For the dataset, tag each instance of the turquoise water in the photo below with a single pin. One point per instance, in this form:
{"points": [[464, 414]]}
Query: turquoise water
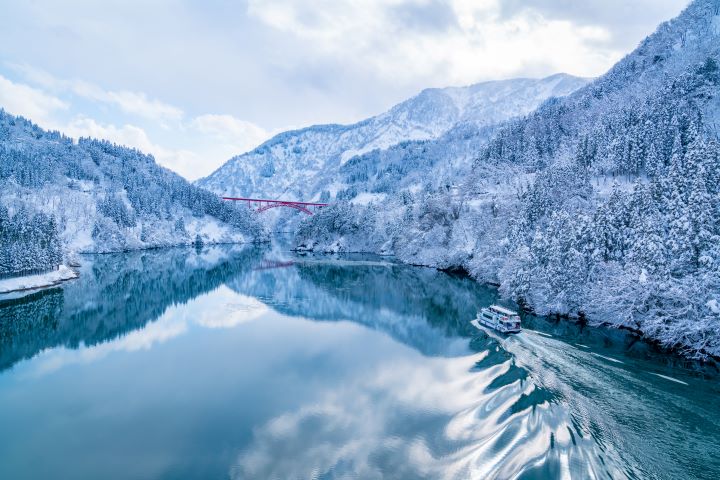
{"points": [[253, 363]]}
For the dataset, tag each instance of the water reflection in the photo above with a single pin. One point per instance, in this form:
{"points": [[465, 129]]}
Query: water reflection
{"points": [[250, 363], [420, 307], [117, 294]]}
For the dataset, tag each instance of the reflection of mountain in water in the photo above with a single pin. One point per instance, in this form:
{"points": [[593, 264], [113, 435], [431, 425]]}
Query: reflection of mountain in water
{"points": [[423, 308], [552, 404], [115, 295]]}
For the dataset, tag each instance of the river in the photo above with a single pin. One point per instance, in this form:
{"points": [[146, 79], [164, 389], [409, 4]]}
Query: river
{"points": [[232, 362]]}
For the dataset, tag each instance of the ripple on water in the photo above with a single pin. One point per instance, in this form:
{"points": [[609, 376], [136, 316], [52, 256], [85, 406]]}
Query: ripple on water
{"points": [[491, 420], [519, 429]]}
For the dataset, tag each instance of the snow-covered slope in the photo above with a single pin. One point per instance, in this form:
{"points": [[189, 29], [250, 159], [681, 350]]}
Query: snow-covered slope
{"points": [[300, 164], [58, 196], [605, 202]]}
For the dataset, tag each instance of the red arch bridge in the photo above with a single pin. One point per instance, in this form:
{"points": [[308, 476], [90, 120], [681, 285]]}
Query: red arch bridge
{"points": [[262, 204]]}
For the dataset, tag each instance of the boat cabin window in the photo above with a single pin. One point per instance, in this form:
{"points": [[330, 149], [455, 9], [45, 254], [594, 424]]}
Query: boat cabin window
{"points": [[502, 311]]}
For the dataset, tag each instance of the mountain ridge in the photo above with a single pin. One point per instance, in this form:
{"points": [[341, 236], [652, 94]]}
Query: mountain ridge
{"points": [[427, 115]]}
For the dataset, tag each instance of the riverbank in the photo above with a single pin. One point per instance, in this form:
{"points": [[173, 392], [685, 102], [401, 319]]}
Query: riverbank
{"points": [[657, 337], [34, 282], [63, 273], [678, 349]]}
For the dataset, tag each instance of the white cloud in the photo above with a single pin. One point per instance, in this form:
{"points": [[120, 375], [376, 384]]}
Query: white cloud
{"points": [[201, 158], [241, 134], [135, 103], [41, 107], [472, 41], [130, 135], [208, 140], [229, 127], [139, 104], [29, 102]]}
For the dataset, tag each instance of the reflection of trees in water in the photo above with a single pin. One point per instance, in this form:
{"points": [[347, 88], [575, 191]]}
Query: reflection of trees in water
{"points": [[28, 322], [423, 308], [120, 293], [115, 295], [446, 302]]}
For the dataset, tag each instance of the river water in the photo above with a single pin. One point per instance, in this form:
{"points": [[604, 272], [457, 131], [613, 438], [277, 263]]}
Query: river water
{"points": [[232, 362]]}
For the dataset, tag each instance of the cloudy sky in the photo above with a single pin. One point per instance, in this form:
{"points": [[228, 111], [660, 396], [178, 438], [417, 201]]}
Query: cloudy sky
{"points": [[196, 82]]}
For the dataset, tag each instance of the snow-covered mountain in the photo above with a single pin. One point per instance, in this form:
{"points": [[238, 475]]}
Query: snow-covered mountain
{"points": [[58, 196], [301, 164], [605, 202]]}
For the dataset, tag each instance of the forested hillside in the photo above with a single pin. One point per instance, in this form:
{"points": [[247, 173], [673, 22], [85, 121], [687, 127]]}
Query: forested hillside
{"points": [[29, 243], [605, 202], [58, 197]]}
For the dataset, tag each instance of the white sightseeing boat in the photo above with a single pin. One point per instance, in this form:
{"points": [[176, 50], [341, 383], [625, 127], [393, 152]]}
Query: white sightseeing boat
{"points": [[498, 318]]}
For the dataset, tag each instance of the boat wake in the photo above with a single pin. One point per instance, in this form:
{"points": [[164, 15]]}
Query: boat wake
{"points": [[481, 416]]}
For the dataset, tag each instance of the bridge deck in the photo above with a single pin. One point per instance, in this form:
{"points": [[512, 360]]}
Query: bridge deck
{"points": [[265, 200]]}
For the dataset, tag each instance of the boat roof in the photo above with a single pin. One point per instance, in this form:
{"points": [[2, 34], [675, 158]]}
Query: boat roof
{"points": [[502, 310]]}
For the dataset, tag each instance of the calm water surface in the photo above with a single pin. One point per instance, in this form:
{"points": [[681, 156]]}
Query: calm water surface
{"points": [[253, 363]]}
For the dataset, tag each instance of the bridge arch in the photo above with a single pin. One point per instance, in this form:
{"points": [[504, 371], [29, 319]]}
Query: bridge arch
{"points": [[288, 205], [266, 204]]}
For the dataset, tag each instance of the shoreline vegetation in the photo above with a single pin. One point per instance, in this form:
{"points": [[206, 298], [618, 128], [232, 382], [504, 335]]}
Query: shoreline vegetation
{"points": [[582, 319], [34, 282], [679, 351], [27, 283]]}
